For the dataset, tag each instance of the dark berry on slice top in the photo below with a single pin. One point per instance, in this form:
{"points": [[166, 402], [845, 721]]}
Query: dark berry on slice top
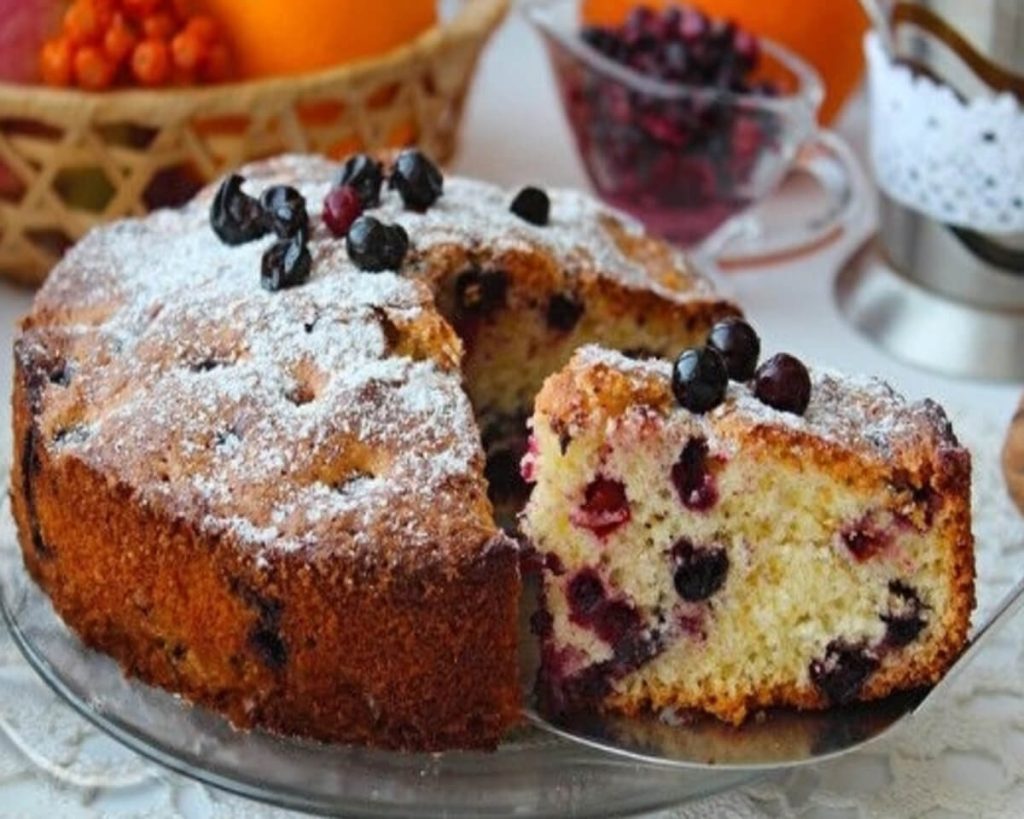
{"points": [[286, 263], [738, 345], [374, 246], [365, 175], [564, 312], [480, 292], [286, 210], [235, 216], [841, 673], [532, 205], [699, 571], [605, 507], [691, 477], [342, 206], [699, 379], [905, 618], [783, 383], [417, 180]]}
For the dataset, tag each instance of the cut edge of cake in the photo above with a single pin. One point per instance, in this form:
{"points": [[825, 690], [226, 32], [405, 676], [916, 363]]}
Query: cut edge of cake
{"points": [[747, 557]]}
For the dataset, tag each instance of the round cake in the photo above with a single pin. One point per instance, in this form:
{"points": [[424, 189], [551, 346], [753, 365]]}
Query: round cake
{"points": [[273, 500]]}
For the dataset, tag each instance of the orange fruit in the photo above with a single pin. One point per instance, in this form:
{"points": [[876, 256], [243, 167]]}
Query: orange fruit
{"points": [[827, 35], [274, 37]]}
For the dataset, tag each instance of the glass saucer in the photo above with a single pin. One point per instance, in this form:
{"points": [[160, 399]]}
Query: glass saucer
{"points": [[533, 774]]}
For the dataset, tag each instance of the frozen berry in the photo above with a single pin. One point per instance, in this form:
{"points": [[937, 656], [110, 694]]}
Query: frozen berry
{"points": [[738, 345], [532, 205], [699, 379], [342, 206], [285, 207], [842, 672], [480, 292], [605, 507], [417, 180], [783, 383], [366, 175], [564, 312], [693, 481], [286, 263], [699, 571], [236, 218], [374, 246]]}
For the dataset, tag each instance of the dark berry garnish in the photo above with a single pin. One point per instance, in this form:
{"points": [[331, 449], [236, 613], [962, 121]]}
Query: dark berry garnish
{"points": [[236, 217], [374, 246], [286, 263], [605, 507], [738, 345], [365, 175], [905, 618], [699, 571], [585, 594], [532, 205], [842, 672], [417, 180], [342, 206], [691, 477], [699, 379], [783, 383], [480, 292], [564, 312], [286, 209]]}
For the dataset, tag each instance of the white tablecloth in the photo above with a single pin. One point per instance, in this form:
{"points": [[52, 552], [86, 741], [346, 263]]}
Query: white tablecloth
{"points": [[964, 758]]}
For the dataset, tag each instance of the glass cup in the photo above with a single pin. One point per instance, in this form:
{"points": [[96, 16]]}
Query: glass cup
{"points": [[690, 161]]}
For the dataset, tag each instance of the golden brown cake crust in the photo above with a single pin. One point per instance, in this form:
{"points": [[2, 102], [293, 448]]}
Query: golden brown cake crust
{"points": [[274, 503], [859, 430]]}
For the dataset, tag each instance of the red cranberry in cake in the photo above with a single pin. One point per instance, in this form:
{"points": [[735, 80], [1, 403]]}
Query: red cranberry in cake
{"points": [[698, 571], [605, 507], [766, 562], [692, 477], [843, 671]]}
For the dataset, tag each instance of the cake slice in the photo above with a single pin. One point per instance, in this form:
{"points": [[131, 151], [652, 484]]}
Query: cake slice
{"points": [[765, 547]]}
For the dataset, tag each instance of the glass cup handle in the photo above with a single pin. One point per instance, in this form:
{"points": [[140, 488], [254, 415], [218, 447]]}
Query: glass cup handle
{"points": [[831, 163]]}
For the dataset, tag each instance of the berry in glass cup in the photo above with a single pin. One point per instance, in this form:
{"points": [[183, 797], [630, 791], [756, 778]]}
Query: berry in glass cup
{"points": [[672, 132]]}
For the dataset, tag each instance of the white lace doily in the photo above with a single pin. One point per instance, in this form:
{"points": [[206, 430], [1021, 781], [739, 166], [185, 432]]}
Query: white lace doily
{"points": [[962, 757], [959, 161]]}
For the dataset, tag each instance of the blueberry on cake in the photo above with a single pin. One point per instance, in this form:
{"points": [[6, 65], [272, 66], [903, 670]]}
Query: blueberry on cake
{"points": [[248, 434], [722, 537]]}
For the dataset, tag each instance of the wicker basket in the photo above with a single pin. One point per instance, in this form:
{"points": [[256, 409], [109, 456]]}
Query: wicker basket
{"points": [[70, 160]]}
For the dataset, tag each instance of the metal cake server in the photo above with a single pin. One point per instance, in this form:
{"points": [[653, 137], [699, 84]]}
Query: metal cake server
{"points": [[777, 739]]}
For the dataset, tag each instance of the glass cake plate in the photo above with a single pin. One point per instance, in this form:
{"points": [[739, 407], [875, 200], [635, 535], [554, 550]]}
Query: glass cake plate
{"points": [[533, 774]]}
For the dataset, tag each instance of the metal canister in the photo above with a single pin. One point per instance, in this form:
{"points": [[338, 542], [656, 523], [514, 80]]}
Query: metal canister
{"points": [[976, 47]]}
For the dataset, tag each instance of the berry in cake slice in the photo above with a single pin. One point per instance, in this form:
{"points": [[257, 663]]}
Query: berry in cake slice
{"points": [[799, 538]]}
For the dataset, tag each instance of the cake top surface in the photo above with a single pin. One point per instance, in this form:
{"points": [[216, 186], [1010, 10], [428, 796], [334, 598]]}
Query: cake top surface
{"points": [[856, 412], [329, 415]]}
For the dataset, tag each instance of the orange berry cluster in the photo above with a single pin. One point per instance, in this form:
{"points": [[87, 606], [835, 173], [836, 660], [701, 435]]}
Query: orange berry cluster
{"points": [[151, 43]]}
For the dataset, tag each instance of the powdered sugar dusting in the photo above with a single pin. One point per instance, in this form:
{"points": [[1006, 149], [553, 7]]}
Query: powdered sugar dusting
{"points": [[854, 411]]}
